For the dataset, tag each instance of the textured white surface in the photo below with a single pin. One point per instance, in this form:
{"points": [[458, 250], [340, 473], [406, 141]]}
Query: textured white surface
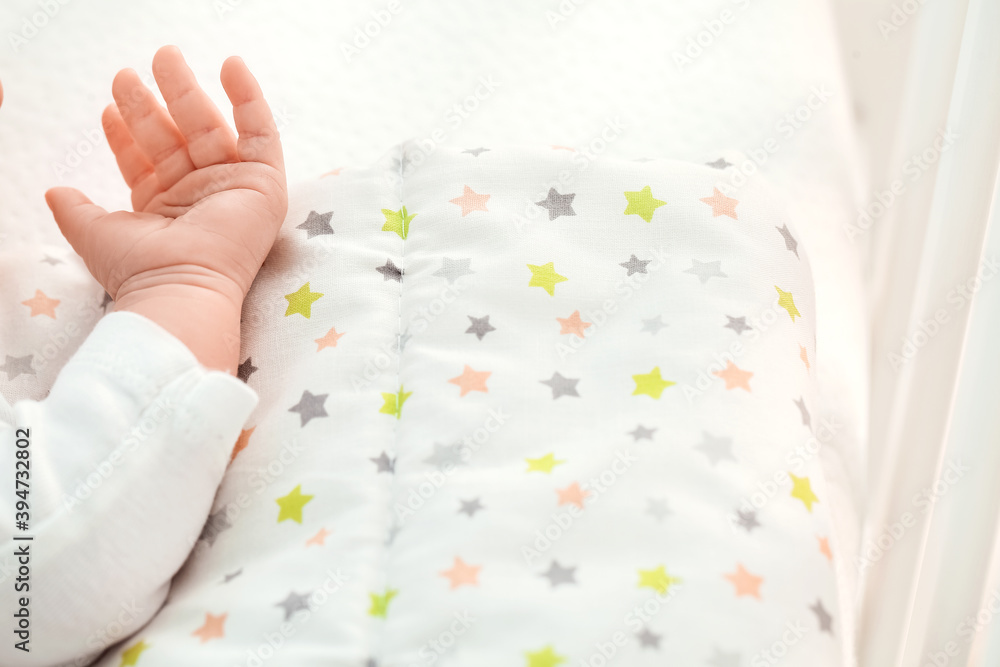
{"points": [[558, 85]]}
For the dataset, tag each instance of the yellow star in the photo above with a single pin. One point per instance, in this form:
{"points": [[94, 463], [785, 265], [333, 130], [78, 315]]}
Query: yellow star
{"points": [[657, 579], [544, 464], [802, 489], [785, 301], [380, 603], [292, 504], [394, 402], [544, 658], [131, 655], [397, 221], [545, 276], [651, 383], [642, 203], [300, 301]]}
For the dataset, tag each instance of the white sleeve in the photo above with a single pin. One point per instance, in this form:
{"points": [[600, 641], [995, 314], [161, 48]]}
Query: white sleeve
{"points": [[123, 458]]}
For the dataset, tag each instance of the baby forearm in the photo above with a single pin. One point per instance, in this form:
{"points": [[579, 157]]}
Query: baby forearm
{"points": [[205, 317]]}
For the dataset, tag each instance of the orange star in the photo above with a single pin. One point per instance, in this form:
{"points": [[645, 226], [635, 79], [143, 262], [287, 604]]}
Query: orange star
{"points": [[803, 356], [319, 538], [745, 583], [721, 204], [212, 629], [572, 495], [242, 442], [734, 376], [471, 380], [333, 172], [329, 340], [462, 573], [41, 304], [471, 201], [573, 324], [824, 547]]}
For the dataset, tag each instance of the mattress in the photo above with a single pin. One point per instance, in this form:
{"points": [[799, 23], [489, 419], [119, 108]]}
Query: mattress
{"points": [[757, 85]]}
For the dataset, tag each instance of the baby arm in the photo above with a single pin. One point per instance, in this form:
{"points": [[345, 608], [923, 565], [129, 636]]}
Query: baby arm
{"points": [[144, 415]]}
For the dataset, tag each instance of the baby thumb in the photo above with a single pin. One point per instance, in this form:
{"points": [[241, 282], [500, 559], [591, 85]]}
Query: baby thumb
{"points": [[74, 213]]}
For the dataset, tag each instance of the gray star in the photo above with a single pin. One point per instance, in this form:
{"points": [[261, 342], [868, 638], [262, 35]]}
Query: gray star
{"points": [[15, 366], [383, 463], [475, 152], [649, 638], [747, 520], [371, 663], [216, 523], [823, 617], [317, 224], [393, 532], [806, 419], [790, 242], [719, 164], [403, 339], [106, 300], [446, 455], [716, 448], [706, 270], [558, 574], [561, 386], [557, 204], [230, 577], [470, 507], [721, 659], [401, 165], [653, 325], [52, 260], [293, 603], [635, 265], [453, 269], [246, 369], [642, 433], [480, 326], [657, 507], [737, 324], [390, 271], [310, 406]]}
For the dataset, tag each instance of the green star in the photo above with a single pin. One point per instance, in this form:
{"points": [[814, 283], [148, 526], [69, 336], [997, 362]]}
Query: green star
{"points": [[300, 301], [394, 402], [380, 603], [130, 656], [397, 221], [292, 504], [546, 657], [642, 203], [545, 276]]}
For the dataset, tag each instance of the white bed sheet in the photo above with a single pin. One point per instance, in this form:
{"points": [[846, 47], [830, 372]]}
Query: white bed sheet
{"points": [[563, 72]]}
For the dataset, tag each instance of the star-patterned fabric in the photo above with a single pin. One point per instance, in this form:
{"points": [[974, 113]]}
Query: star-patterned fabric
{"points": [[515, 411]]}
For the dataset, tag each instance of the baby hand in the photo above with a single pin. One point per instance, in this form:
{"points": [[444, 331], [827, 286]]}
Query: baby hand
{"points": [[208, 205]]}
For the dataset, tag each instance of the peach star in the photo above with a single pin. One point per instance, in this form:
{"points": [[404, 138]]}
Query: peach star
{"points": [[471, 380], [462, 573], [471, 201], [721, 204], [564, 148], [319, 538], [329, 340], [745, 583], [41, 304], [212, 628], [803, 356], [824, 547], [332, 172], [242, 441], [573, 324], [735, 377], [572, 495]]}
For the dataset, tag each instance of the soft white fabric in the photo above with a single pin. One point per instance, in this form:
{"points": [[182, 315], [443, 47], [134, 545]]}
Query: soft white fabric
{"points": [[540, 495], [126, 453]]}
